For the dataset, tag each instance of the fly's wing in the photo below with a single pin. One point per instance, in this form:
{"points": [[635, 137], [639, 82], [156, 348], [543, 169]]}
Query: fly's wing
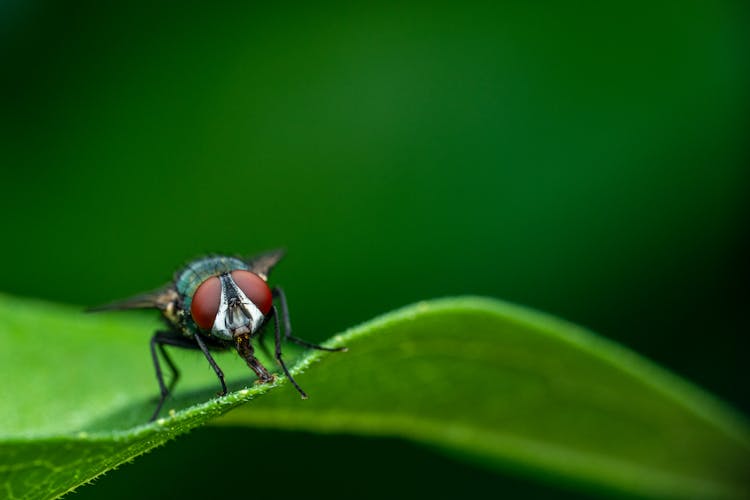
{"points": [[158, 299], [262, 264]]}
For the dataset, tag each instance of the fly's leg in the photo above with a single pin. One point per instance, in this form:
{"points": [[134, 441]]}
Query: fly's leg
{"points": [[279, 293], [164, 392], [262, 342], [277, 337], [172, 367], [212, 362], [158, 341]]}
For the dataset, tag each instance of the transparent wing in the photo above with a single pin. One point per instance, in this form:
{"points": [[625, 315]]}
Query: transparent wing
{"points": [[157, 299], [261, 264]]}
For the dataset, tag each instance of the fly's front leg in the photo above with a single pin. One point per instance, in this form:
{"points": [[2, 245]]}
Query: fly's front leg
{"points": [[212, 362], [262, 342], [279, 293], [277, 338]]}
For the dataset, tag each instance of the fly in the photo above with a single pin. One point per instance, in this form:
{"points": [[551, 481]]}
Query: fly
{"points": [[218, 303]]}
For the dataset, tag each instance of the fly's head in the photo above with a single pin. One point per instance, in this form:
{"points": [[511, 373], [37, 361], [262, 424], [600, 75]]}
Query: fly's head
{"points": [[232, 304]]}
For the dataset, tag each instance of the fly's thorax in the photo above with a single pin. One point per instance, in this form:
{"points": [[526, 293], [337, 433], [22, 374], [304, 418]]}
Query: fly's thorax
{"points": [[189, 278], [172, 313]]}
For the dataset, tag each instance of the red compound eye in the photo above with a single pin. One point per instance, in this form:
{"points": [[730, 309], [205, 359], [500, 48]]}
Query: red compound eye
{"points": [[255, 288], [205, 303]]}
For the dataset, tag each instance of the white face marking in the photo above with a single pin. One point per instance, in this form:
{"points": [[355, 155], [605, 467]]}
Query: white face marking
{"points": [[243, 306]]}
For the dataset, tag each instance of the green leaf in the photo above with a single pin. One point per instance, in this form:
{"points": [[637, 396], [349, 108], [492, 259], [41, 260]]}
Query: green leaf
{"points": [[487, 380]]}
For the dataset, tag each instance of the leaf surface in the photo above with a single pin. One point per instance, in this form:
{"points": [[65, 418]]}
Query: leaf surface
{"points": [[490, 381]]}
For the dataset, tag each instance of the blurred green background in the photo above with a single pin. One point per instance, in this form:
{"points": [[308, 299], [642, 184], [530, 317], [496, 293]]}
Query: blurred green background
{"points": [[587, 160]]}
